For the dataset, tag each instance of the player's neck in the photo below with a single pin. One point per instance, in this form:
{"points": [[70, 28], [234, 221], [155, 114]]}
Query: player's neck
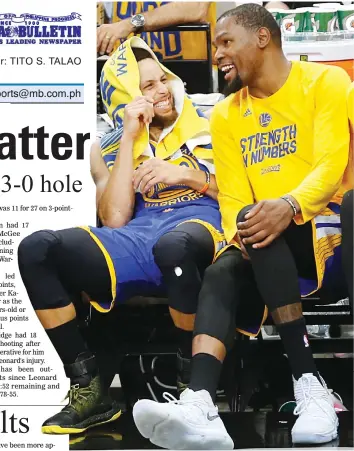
{"points": [[272, 76], [155, 132]]}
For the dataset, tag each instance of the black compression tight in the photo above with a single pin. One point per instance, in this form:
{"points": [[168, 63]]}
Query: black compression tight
{"points": [[223, 285], [231, 278], [347, 240], [277, 267], [57, 265], [183, 254], [54, 265]]}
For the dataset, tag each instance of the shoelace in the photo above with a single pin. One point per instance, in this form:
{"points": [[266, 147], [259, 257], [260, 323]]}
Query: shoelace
{"points": [[335, 394], [307, 396], [195, 401], [77, 394], [170, 398]]}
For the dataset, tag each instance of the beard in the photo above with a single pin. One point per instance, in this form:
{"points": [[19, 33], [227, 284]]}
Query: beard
{"points": [[164, 120], [233, 86]]}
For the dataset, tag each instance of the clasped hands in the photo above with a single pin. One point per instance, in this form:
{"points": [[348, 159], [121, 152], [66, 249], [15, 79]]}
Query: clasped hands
{"points": [[155, 171]]}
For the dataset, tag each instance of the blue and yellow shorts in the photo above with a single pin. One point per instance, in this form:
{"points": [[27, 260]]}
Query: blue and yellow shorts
{"points": [[129, 250]]}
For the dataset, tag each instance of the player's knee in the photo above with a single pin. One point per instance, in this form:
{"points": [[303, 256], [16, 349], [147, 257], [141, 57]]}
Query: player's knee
{"points": [[212, 276], [243, 212], [171, 249], [216, 278], [222, 271], [34, 248]]}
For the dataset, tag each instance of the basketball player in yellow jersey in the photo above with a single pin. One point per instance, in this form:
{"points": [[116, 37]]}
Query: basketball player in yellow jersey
{"points": [[348, 181], [281, 145], [349, 174], [143, 17], [351, 104]]}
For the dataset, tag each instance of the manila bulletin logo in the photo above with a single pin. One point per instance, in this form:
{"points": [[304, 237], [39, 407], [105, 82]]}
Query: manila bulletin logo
{"points": [[37, 29], [265, 119]]}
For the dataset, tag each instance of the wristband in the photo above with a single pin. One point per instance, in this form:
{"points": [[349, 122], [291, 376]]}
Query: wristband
{"points": [[291, 203], [207, 183]]}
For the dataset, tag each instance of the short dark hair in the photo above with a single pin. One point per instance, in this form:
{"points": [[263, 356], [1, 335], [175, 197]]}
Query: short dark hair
{"points": [[254, 17], [141, 54]]}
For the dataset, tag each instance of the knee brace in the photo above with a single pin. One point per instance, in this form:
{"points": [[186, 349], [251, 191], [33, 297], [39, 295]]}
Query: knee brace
{"points": [[189, 241], [178, 255], [38, 274], [172, 249], [34, 248]]}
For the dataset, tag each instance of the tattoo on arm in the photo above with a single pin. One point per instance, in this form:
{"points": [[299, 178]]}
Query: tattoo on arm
{"points": [[287, 313]]}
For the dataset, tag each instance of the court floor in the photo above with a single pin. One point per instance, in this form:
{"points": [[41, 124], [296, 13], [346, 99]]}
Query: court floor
{"points": [[248, 430]]}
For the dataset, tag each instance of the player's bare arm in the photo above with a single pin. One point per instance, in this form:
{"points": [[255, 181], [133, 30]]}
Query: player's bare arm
{"points": [[99, 170], [117, 210], [164, 16], [157, 170]]}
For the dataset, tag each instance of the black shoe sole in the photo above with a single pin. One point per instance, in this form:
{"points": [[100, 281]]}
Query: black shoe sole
{"points": [[93, 421]]}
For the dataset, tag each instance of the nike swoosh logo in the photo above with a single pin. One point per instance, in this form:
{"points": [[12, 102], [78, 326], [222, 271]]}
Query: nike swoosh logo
{"points": [[212, 417]]}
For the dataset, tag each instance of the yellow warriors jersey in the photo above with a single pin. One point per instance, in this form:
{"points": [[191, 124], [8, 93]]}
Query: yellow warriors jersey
{"points": [[351, 104], [348, 179], [294, 142], [166, 45]]}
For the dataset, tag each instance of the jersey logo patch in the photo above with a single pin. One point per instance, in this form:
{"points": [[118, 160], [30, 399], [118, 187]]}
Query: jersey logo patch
{"points": [[265, 119]]}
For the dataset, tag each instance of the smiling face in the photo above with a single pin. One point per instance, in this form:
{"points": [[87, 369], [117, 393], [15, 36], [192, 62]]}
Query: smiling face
{"points": [[154, 84], [237, 53]]}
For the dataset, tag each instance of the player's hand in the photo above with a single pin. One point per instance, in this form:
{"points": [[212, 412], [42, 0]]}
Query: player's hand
{"points": [[265, 222], [244, 251], [155, 171], [108, 34], [137, 113]]}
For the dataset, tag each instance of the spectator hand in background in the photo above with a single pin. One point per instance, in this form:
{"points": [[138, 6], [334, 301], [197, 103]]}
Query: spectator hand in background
{"points": [[108, 34]]}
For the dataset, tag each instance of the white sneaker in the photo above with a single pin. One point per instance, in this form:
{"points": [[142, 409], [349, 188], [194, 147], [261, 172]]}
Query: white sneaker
{"points": [[318, 421], [192, 422]]}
